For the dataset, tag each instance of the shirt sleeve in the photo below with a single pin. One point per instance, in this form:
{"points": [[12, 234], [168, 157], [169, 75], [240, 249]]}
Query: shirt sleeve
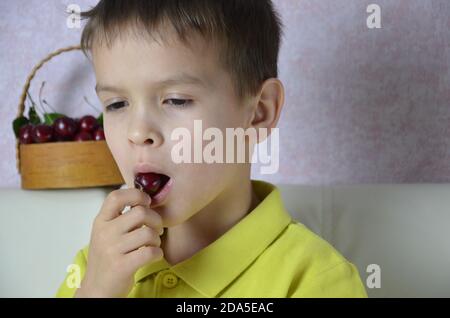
{"points": [[74, 276], [339, 281]]}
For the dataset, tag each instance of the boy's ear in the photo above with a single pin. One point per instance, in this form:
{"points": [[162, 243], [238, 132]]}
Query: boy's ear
{"points": [[268, 105]]}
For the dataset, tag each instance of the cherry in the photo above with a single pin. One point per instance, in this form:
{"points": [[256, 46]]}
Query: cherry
{"points": [[99, 134], [65, 128], [77, 122], [83, 136], [62, 139], [88, 123], [150, 182], [25, 134], [42, 133]]}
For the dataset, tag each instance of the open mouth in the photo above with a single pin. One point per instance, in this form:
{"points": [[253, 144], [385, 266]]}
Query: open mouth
{"points": [[151, 183]]}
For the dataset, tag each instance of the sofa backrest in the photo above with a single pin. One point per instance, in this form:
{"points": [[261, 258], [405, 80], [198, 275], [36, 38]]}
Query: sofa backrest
{"points": [[400, 232]]}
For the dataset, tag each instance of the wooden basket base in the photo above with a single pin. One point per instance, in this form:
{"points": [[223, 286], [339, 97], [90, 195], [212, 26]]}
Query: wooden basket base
{"points": [[57, 165]]}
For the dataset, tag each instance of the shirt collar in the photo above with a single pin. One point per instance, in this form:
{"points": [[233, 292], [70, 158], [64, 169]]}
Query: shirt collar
{"points": [[209, 271]]}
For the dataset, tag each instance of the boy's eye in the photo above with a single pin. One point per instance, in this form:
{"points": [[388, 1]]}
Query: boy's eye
{"points": [[172, 101], [178, 102], [114, 106]]}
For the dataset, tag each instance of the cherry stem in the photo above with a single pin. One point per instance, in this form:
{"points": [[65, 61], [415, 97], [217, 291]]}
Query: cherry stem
{"points": [[32, 101], [46, 103], [33, 104], [87, 102], [40, 97]]}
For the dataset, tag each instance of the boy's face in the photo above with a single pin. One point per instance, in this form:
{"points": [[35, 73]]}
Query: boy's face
{"points": [[146, 109]]}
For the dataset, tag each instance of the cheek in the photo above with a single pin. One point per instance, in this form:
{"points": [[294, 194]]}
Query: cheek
{"points": [[198, 184], [115, 127], [206, 178], [227, 116], [114, 138], [109, 134]]}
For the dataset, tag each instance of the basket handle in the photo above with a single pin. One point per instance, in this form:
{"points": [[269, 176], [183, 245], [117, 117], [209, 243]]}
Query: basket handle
{"points": [[23, 96]]}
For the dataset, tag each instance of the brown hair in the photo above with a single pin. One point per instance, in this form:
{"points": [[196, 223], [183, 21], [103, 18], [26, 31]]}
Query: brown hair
{"points": [[248, 32]]}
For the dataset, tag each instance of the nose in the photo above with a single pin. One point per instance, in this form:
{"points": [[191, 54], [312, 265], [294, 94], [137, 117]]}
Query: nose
{"points": [[142, 132]]}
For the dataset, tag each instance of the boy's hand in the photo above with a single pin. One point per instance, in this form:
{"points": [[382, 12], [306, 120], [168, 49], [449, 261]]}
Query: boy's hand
{"points": [[120, 244]]}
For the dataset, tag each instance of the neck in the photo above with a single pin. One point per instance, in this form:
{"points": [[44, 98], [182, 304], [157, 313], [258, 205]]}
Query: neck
{"points": [[183, 241]]}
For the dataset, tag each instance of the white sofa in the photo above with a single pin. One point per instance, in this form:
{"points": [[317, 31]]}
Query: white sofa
{"points": [[404, 229]]}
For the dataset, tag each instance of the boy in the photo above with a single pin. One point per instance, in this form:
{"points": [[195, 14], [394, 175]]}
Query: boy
{"points": [[161, 65]]}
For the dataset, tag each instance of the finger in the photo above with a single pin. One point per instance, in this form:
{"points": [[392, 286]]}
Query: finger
{"points": [[143, 236], [137, 217], [117, 200], [138, 258]]}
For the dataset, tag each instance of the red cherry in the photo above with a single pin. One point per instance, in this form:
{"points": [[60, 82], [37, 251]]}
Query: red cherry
{"points": [[88, 123], [62, 139], [83, 136], [25, 134], [150, 182], [77, 122], [42, 133], [65, 128], [99, 134]]}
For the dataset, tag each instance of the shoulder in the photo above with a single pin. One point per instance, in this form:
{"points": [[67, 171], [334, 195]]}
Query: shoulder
{"points": [[315, 268], [304, 245], [81, 256], [75, 274], [84, 252]]}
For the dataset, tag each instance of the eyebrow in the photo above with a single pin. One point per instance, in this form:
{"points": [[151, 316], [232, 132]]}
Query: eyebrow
{"points": [[176, 80]]}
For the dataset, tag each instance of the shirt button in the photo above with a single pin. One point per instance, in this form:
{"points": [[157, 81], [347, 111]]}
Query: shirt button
{"points": [[170, 280]]}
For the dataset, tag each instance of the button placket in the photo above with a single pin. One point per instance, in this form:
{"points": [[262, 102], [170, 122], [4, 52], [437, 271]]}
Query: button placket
{"points": [[169, 280]]}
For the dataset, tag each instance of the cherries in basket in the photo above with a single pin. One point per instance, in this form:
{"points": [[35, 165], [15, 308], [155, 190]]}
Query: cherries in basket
{"points": [[56, 127]]}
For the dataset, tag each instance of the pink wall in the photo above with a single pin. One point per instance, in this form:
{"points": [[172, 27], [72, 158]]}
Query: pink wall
{"points": [[362, 106]]}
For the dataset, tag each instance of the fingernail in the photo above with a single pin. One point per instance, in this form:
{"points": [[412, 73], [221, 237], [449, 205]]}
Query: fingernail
{"points": [[161, 232], [126, 209]]}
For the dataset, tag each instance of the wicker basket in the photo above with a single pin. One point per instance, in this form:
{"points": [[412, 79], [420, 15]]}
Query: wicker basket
{"points": [[57, 165]]}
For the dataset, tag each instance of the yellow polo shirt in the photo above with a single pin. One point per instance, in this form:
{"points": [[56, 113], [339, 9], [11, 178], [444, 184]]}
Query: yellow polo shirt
{"points": [[266, 254]]}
